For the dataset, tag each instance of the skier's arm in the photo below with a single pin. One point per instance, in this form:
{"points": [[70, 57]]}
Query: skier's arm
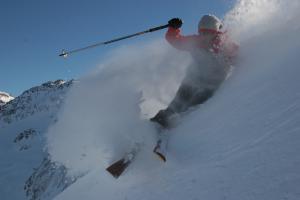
{"points": [[179, 41]]}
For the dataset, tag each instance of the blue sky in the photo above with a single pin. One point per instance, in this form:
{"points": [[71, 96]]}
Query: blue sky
{"points": [[33, 33]]}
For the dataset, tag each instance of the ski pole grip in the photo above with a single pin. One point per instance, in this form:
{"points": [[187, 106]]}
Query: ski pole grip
{"points": [[158, 28]]}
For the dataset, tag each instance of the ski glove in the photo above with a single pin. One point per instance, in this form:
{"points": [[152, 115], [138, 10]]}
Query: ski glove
{"points": [[175, 23]]}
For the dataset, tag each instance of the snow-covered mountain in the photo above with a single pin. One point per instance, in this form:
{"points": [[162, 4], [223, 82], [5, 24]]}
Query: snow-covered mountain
{"points": [[25, 170], [4, 98]]}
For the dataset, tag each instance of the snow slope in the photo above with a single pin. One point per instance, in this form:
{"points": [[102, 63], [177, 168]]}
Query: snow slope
{"points": [[242, 144]]}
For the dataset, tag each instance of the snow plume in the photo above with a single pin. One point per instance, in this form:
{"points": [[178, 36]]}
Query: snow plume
{"points": [[107, 111], [267, 30], [250, 18]]}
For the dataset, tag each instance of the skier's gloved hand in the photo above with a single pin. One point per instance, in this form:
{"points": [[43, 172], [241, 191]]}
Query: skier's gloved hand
{"points": [[175, 23]]}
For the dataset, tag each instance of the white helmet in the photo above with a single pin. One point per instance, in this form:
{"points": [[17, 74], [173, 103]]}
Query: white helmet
{"points": [[209, 23]]}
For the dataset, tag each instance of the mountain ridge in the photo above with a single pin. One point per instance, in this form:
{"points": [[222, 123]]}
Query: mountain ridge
{"points": [[23, 123]]}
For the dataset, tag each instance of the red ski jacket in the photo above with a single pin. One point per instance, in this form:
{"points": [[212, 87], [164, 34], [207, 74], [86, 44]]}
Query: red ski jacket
{"points": [[219, 44]]}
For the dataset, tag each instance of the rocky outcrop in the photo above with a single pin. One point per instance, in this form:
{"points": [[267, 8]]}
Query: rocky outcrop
{"points": [[48, 180]]}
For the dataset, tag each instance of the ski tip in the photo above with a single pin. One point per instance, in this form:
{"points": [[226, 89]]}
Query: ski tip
{"points": [[114, 175], [161, 156], [117, 168]]}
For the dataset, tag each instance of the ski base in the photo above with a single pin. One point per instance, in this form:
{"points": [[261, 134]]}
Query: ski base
{"points": [[117, 168]]}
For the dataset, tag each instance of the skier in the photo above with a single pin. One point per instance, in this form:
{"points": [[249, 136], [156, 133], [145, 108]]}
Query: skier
{"points": [[212, 53]]}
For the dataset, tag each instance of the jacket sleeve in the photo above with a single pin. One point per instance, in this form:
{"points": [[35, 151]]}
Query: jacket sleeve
{"points": [[179, 41]]}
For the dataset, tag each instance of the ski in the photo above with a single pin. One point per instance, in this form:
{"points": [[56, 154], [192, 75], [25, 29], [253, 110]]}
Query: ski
{"points": [[161, 146], [157, 150], [117, 168]]}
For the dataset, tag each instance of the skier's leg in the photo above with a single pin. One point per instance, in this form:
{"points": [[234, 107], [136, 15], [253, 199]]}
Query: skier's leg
{"points": [[179, 104], [201, 96], [184, 95], [162, 118]]}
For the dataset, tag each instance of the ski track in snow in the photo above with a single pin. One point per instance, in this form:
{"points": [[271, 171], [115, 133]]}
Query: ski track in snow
{"points": [[242, 144]]}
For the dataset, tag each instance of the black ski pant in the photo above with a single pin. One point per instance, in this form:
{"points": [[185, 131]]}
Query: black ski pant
{"points": [[186, 97]]}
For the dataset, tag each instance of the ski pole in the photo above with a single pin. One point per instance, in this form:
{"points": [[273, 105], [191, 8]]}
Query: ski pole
{"points": [[66, 53]]}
